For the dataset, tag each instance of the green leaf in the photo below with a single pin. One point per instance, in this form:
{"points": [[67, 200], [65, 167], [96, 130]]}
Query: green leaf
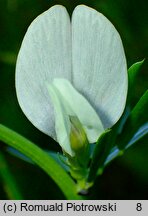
{"points": [[59, 158], [8, 180], [139, 134], [42, 159], [130, 129], [18, 154], [133, 72], [101, 151], [136, 121], [132, 77], [115, 152], [136, 160]]}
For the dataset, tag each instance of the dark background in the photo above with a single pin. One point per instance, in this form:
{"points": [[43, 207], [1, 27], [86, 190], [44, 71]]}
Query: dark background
{"points": [[127, 176]]}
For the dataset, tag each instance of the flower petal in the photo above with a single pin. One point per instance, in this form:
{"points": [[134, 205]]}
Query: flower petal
{"points": [[62, 122], [99, 64], [45, 53], [77, 104]]}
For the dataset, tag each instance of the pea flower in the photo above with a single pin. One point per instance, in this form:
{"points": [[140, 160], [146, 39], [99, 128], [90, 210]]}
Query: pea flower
{"points": [[71, 75]]}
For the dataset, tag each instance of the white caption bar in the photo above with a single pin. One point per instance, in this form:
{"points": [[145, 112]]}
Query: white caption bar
{"points": [[89, 207]]}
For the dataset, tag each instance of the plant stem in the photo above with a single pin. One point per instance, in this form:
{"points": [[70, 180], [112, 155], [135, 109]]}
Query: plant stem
{"points": [[42, 159]]}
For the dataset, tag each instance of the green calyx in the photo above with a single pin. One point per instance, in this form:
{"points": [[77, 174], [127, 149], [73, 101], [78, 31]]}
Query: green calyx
{"points": [[81, 147], [77, 125], [79, 170]]}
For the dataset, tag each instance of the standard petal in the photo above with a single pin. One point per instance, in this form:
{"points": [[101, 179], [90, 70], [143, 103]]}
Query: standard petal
{"points": [[99, 64], [45, 54], [76, 104]]}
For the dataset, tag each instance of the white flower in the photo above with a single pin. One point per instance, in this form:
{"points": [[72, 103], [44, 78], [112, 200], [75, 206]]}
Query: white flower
{"points": [[88, 52]]}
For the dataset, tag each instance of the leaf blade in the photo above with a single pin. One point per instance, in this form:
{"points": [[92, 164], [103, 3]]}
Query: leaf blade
{"points": [[42, 159], [134, 122], [132, 77], [101, 151]]}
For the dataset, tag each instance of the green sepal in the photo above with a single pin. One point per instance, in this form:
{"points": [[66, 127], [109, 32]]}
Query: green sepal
{"points": [[78, 165]]}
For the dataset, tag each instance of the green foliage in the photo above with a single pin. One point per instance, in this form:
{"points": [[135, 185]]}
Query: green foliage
{"points": [[101, 151], [42, 159], [135, 121], [131, 127], [133, 72], [132, 167], [108, 146]]}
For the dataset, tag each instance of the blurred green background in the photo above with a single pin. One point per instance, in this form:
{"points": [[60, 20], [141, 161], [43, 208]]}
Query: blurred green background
{"points": [[127, 176]]}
